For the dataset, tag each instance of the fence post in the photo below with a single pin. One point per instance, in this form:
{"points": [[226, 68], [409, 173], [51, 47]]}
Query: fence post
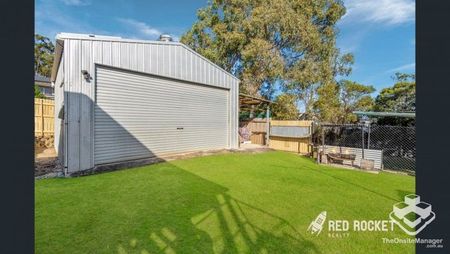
{"points": [[42, 117], [362, 135], [310, 145], [267, 125], [319, 155]]}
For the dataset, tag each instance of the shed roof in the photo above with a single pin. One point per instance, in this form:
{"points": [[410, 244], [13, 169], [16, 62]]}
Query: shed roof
{"points": [[63, 36]]}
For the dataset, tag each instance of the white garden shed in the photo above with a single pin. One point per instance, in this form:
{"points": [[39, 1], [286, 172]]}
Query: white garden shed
{"points": [[119, 100]]}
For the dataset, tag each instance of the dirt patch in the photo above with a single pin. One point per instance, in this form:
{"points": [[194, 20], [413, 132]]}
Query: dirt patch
{"points": [[345, 166], [253, 148], [169, 157], [42, 153], [46, 163], [48, 166], [143, 162]]}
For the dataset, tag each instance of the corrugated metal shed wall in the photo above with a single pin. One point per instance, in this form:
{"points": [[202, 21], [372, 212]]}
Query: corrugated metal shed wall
{"points": [[165, 59]]}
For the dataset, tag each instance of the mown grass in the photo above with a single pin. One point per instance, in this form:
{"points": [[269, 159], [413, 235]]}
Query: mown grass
{"points": [[230, 203]]}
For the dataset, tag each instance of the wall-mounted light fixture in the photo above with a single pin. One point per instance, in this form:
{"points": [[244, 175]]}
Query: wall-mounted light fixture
{"points": [[86, 75]]}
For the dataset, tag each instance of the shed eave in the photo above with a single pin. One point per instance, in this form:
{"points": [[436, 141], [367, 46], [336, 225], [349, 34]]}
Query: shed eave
{"points": [[59, 48]]}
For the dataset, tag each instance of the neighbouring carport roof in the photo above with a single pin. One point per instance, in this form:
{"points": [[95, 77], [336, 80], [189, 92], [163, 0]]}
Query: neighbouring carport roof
{"points": [[248, 102], [245, 99], [381, 114]]}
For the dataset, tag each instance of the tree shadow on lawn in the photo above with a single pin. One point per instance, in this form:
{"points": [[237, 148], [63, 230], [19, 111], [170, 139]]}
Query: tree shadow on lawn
{"points": [[346, 181], [160, 209], [200, 217], [136, 213], [357, 185]]}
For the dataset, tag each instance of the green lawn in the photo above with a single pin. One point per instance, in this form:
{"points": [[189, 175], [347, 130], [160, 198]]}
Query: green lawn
{"points": [[230, 203]]}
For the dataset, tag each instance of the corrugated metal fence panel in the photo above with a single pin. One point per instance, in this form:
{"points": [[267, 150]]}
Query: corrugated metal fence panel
{"points": [[370, 154], [165, 59], [148, 124], [290, 131]]}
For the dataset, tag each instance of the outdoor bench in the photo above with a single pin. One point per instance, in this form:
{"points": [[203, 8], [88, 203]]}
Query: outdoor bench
{"points": [[338, 157]]}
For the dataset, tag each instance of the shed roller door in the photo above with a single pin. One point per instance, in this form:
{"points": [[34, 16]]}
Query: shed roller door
{"points": [[139, 116]]}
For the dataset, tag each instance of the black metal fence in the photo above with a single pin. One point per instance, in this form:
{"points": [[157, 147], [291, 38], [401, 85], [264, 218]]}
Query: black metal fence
{"points": [[398, 143]]}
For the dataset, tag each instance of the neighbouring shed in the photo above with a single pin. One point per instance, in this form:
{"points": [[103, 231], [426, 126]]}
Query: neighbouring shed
{"points": [[120, 100]]}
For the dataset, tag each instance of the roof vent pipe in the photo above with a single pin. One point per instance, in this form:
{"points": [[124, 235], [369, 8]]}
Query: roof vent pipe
{"points": [[165, 37]]}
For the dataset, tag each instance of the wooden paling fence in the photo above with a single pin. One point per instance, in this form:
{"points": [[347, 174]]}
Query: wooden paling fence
{"points": [[292, 136], [43, 117], [258, 130]]}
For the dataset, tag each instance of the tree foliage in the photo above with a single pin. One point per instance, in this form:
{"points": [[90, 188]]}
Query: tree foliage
{"points": [[43, 55], [337, 101], [401, 97], [285, 107], [327, 105], [267, 41], [290, 44], [38, 93], [354, 96], [327, 101]]}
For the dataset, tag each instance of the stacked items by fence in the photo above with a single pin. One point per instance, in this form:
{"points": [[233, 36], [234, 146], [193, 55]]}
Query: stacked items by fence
{"points": [[44, 141], [44, 122], [257, 129], [393, 146]]}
